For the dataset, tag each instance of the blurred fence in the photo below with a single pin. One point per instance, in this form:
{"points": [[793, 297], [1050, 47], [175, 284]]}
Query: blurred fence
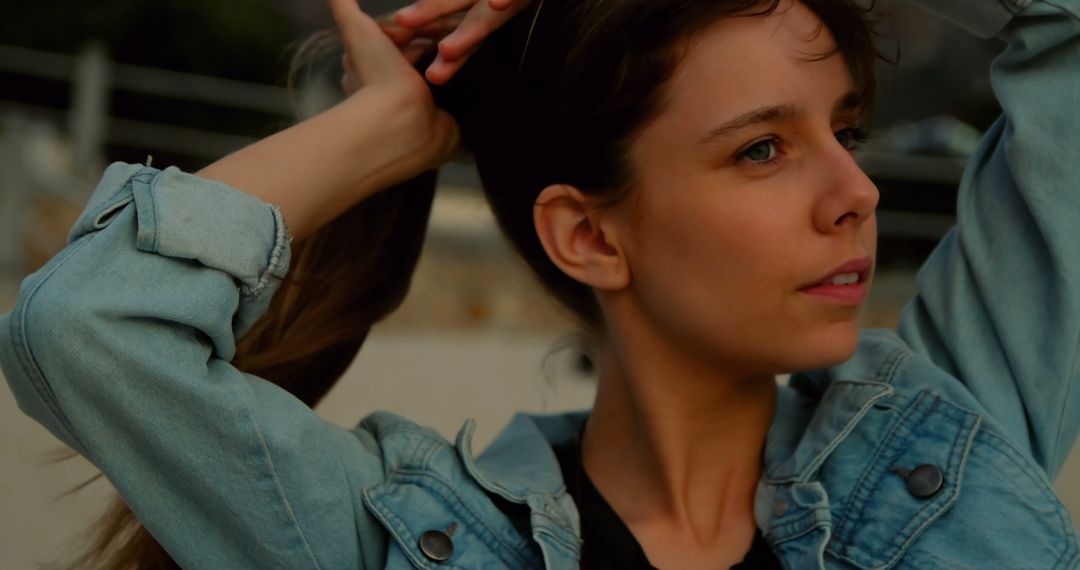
{"points": [[93, 78], [39, 163]]}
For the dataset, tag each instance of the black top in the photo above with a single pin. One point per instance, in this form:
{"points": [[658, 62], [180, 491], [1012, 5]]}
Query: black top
{"points": [[607, 542]]}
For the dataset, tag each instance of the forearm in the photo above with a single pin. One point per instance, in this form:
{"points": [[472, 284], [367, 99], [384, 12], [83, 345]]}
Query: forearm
{"points": [[317, 169]]}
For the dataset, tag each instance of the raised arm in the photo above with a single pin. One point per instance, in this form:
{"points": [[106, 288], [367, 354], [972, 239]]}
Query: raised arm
{"points": [[385, 132], [122, 344], [998, 302]]}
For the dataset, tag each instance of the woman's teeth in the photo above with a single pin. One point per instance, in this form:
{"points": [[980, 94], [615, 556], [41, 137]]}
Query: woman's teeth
{"points": [[843, 279]]}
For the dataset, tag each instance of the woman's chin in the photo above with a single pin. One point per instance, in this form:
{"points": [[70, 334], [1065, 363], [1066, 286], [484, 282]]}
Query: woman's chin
{"points": [[831, 347]]}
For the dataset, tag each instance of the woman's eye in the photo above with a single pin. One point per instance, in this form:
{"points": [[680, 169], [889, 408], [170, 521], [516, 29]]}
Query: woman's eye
{"points": [[852, 138], [760, 152]]}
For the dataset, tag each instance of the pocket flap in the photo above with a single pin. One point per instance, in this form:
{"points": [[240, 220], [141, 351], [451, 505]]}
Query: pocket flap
{"points": [[895, 499]]}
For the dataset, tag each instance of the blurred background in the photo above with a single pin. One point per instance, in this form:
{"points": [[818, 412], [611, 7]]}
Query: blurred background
{"points": [[187, 81]]}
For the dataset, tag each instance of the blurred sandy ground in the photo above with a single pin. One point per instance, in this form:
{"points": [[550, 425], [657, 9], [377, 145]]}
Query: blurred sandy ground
{"points": [[475, 339]]}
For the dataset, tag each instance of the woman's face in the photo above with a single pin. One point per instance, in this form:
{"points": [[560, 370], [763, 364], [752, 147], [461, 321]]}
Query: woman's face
{"points": [[748, 193]]}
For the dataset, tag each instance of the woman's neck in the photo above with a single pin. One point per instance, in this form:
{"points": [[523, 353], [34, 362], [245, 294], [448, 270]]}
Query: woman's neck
{"points": [[676, 448]]}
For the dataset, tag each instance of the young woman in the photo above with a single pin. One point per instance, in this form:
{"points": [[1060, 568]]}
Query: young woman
{"points": [[680, 175]]}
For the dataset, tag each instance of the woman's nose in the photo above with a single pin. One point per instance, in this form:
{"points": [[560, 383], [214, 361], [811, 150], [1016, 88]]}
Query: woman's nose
{"points": [[848, 197]]}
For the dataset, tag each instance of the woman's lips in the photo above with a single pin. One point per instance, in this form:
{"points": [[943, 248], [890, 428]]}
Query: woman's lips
{"points": [[853, 294], [856, 270]]}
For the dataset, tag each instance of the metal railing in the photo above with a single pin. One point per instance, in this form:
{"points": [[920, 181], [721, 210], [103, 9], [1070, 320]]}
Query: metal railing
{"points": [[93, 78], [27, 170]]}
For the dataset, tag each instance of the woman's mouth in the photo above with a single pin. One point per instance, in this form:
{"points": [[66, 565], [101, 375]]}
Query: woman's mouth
{"points": [[846, 284], [850, 293]]}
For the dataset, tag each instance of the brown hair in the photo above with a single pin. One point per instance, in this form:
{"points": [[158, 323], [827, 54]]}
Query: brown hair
{"points": [[569, 83]]}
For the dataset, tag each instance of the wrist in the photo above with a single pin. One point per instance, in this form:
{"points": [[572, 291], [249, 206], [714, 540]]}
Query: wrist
{"points": [[317, 169], [399, 134]]}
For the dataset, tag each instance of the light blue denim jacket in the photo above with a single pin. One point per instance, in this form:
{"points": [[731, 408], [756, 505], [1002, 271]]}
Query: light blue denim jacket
{"points": [[121, 346]]}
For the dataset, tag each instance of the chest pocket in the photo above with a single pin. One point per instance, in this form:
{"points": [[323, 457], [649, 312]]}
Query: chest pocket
{"points": [[433, 528], [913, 478], [975, 502]]}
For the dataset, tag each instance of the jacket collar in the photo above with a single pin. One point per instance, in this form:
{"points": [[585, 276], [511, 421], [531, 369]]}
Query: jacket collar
{"points": [[819, 408], [520, 462], [521, 467], [800, 440]]}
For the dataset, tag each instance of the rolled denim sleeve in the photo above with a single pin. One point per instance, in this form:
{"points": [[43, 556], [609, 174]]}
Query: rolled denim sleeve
{"points": [[121, 346], [998, 302]]}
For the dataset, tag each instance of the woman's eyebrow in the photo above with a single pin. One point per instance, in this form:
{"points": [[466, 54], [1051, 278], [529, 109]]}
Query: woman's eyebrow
{"points": [[766, 114], [850, 101]]}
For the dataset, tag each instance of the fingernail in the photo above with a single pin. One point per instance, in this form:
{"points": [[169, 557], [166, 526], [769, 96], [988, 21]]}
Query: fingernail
{"points": [[432, 73]]}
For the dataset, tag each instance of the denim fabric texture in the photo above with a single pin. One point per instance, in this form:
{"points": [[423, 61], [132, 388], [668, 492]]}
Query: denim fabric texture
{"points": [[121, 347]]}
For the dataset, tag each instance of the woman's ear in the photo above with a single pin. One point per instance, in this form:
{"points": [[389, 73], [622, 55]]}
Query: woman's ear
{"points": [[583, 242]]}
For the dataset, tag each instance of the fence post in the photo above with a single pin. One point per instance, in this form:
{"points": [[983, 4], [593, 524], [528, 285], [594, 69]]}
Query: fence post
{"points": [[89, 106], [13, 190]]}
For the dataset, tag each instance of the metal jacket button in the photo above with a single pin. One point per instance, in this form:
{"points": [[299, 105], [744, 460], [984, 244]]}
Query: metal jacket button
{"points": [[436, 545], [780, 507], [924, 481]]}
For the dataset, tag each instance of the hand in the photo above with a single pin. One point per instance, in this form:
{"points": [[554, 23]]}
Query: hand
{"points": [[376, 65], [413, 43], [467, 22], [386, 132]]}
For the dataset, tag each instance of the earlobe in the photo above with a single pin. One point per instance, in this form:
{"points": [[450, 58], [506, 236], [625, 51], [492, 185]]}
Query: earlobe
{"points": [[580, 240]]}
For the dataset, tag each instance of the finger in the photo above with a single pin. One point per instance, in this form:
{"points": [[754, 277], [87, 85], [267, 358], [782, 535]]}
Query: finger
{"points": [[478, 24], [347, 15], [349, 83], [441, 69], [397, 33], [422, 12], [437, 29], [503, 4], [417, 49], [413, 53], [440, 27], [369, 49], [416, 43]]}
